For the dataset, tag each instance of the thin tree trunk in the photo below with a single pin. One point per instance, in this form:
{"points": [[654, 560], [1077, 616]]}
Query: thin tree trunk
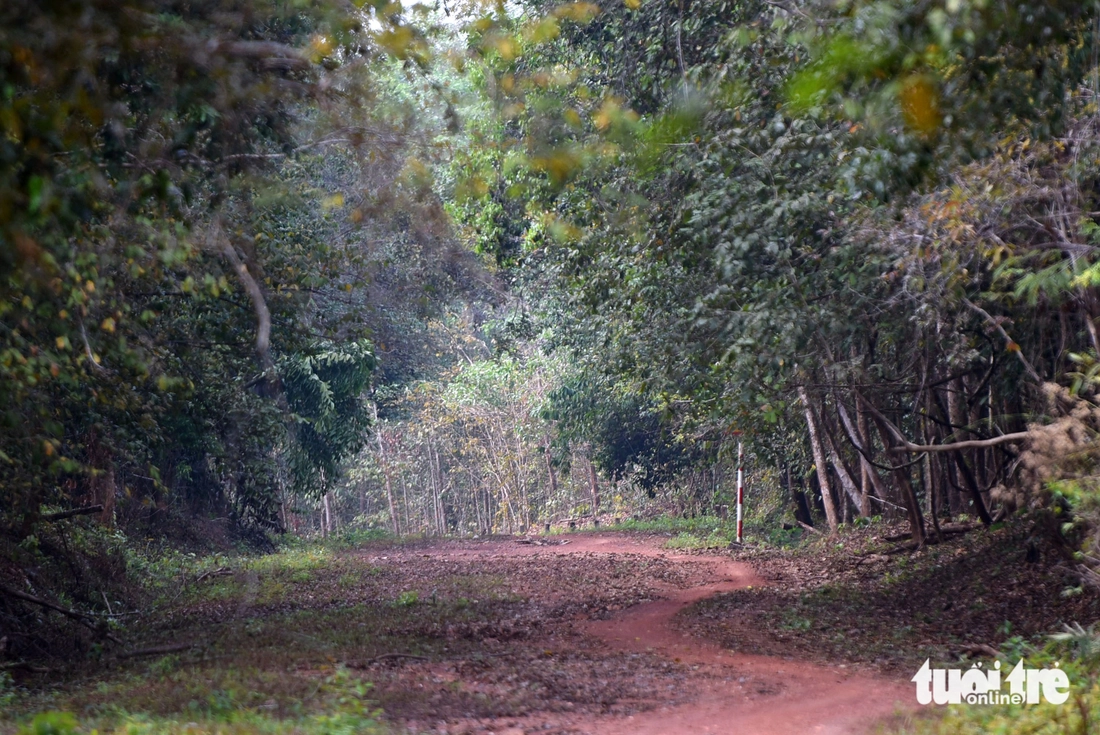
{"points": [[975, 492], [551, 475], [859, 436], [930, 469], [958, 419], [867, 474], [593, 483], [905, 484], [385, 473], [326, 517], [437, 481], [930, 489], [842, 470], [405, 500], [819, 461]]}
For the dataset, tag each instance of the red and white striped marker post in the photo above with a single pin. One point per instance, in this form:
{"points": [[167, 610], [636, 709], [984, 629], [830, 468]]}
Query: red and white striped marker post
{"points": [[740, 489]]}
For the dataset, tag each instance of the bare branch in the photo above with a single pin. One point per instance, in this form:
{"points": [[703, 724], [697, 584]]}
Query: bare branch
{"points": [[904, 445], [85, 619], [82, 618], [1009, 342], [971, 444]]}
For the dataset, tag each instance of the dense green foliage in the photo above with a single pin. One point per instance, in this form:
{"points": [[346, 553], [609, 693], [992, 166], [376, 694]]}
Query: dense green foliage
{"points": [[817, 212], [214, 218], [277, 267]]}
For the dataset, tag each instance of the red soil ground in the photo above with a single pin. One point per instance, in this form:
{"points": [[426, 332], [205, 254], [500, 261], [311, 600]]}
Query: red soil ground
{"points": [[711, 689]]}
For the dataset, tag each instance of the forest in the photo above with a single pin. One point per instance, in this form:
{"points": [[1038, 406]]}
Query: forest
{"points": [[299, 277]]}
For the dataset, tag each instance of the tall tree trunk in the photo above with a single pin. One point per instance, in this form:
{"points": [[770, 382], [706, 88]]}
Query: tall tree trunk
{"points": [[819, 461], [930, 490], [867, 474], [551, 474], [981, 469], [385, 473], [405, 500], [958, 418], [326, 517], [930, 468], [437, 476], [859, 436], [594, 485]]}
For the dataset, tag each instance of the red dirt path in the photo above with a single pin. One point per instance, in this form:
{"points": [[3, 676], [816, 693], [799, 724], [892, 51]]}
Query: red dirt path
{"points": [[730, 692]]}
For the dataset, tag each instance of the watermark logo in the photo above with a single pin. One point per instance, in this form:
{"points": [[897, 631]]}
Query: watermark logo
{"points": [[978, 685]]}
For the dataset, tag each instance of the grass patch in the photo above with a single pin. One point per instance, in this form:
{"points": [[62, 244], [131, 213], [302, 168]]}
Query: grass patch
{"points": [[674, 524], [341, 705], [268, 635], [716, 539], [711, 532]]}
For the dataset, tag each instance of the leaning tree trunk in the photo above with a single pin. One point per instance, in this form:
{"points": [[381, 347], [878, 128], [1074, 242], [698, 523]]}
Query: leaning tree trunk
{"points": [[819, 461], [867, 473], [956, 416], [843, 472], [901, 476]]}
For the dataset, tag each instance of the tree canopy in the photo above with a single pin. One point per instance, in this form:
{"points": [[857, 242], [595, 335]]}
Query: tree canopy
{"points": [[472, 269]]}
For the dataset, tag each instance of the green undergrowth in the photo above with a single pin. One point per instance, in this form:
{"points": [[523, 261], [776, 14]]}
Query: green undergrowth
{"points": [[345, 539], [867, 597], [1076, 651], [711, 532], [342, 703], [166, 573], [268, 643]]}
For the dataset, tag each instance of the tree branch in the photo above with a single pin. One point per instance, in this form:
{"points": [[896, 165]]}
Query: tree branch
{"points": [[83, 618], [907, 446], [86, 619], [970, 444], [259, 304], [1009, 342]]}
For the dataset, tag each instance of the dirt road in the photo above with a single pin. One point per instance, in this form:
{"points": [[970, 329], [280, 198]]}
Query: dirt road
{"points": [[681, 684]]}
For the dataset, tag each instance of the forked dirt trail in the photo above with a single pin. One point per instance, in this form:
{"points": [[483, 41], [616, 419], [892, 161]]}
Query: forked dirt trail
{"points": [[708, 689]]}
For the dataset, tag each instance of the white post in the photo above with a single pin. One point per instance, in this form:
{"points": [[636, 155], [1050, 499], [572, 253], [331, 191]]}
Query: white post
{"points": [[740, 490]]}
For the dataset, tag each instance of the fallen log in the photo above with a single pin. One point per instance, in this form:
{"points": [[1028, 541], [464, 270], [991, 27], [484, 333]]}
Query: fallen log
{"points": [[810, 528], [385, 656], [80, 617], [62, 515], [219, 572], [946, 529], [24, 666], [157, 650]]}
